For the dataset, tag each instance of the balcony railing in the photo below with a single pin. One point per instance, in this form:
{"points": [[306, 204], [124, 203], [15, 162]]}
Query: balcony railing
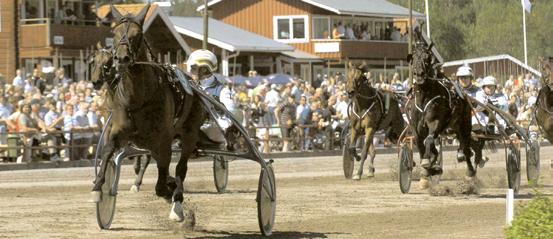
{"points": [[43, 32], [342, 48]]}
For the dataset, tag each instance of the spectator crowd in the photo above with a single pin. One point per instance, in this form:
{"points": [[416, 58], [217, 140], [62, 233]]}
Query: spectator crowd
{"points": [[299, 115]]}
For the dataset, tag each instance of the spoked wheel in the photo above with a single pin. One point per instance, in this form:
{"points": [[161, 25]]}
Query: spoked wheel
{"points": [[405, 167], [348, 159], [533, 161], [266, 200], [220, 173], [105, 208], [513, 166]]}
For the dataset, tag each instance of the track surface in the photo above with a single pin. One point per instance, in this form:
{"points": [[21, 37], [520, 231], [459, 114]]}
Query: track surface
{"points": [[314, 201]]}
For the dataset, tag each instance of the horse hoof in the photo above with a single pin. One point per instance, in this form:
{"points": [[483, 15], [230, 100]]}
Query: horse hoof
{"points": [[461, 157], [370, 174], [469, 178], [177, 212], [483, 162], [425, 163], [95, 196], [135, 189], [424, 183], [356, 177]]}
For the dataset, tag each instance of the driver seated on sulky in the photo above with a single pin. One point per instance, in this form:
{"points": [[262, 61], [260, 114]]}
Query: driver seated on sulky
{"points": [[465, 78], [488, 95], [202, 64]]}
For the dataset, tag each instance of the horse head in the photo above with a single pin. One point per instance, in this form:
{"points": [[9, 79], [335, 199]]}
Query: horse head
{"points": [[128, 36], [356, 76], [421, 59], [102, 67]]}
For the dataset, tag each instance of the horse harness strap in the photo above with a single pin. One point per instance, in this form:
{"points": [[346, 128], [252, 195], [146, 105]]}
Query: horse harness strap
{"points": [[427, 103]]}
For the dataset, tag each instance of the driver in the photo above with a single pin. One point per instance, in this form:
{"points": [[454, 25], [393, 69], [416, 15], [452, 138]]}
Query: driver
{"points": [[465, 78], [489, 96], [202, 64]]}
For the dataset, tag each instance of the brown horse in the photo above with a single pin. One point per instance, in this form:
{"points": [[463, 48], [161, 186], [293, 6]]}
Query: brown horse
{"points": [[544, 103], [103, 71], [368, 113], [147, 110], [435, 108]]}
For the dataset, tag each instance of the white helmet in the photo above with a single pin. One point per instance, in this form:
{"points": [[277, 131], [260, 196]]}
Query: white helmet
{"points": [[464, 71], [489, 80], [202, 58]]}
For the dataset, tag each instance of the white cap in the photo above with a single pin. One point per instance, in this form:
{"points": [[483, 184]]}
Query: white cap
{"points": [[464, 71], [489, 80]]}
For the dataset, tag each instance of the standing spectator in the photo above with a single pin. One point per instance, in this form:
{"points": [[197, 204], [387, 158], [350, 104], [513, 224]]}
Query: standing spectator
{"points": [[271, 100], [285, 114], [349, 32], [18, 81], [37, 81], [341, 31], [83, 124], [530, 81], [303, 114], [5, 112], [70, 124]]}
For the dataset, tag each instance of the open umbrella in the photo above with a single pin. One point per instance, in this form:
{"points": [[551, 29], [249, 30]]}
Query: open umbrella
{"points": [[280, 79]]}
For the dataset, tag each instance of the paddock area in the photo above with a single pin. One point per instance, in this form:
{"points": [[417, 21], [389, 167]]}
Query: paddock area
{"points": [[314, 200]]}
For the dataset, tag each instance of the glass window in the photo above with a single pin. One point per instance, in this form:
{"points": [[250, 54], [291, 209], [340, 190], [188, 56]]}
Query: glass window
{"points": [[299, 28], [290, 28], [321, 28], [283, 28]]}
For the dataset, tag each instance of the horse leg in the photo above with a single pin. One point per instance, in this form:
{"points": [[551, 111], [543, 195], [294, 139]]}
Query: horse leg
{"points": [[353, 141], [463, 135], [366, 144], [140, 175], [372, 155], [108, 151], [177, 210], [163, 160], [424, 183], [136, 164]]}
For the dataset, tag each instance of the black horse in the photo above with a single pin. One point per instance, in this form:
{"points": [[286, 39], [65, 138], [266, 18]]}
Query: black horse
{"points": [[370, 110], [544, 103], [435, 107], [148, 110]]}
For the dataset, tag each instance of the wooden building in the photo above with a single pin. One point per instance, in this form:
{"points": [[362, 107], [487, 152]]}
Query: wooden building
{"points": [[307, 25], [500, 66], [35, 35], [240, 51], [8, 40]]}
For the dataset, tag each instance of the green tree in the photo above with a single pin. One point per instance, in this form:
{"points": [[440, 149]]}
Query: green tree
{"points": [[186, 8]]}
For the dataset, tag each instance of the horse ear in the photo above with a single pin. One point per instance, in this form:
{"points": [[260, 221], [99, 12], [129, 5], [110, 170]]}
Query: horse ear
{"points": [[115, 13], [99, 45], [350, 65], [142, 14], [430, 46]]}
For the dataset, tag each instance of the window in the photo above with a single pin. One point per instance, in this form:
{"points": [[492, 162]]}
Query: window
{"points": [[321, 28], [290, 28]]}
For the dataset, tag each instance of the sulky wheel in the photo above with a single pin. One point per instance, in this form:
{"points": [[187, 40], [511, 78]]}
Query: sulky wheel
{"points": [[220, 173], [105, 208], [512, 155], [533, 161], [266, 200], [405, 167], [348, 159]]}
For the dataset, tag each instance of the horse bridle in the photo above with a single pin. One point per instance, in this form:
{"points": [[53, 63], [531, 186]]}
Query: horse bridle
{"points": [[106, 74], [358, 84], [125, 41]]}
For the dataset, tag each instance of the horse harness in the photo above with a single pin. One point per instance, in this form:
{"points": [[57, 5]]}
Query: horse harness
{"points": [[428, 103]]}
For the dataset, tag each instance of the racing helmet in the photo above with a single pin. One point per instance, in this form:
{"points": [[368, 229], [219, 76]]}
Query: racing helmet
{"points": [[202, 58], [464, 70], [489, 80]]}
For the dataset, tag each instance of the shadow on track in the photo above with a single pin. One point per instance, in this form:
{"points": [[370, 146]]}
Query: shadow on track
{"points": [[278, 234]]}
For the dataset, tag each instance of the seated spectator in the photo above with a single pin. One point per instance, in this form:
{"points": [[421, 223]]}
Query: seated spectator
{"points": [[30, 129]]}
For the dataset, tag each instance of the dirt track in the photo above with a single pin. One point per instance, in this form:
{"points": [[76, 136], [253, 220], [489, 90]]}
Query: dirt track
{"points": [[314, 201]]}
